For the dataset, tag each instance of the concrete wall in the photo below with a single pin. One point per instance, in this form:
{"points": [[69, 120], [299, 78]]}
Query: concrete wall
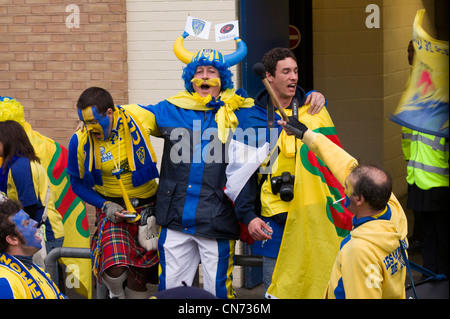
{"points": [[363, 72]]}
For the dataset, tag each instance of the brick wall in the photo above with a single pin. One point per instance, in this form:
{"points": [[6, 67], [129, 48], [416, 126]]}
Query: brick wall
{"points": [[46, 65]]}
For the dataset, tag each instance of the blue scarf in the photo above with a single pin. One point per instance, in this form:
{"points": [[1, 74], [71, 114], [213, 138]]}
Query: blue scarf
{"points": [[14, 265], [141, 156]]}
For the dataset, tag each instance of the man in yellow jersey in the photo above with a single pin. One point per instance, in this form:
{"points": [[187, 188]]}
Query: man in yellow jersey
{"points": [[110, 161], [20, 278]]}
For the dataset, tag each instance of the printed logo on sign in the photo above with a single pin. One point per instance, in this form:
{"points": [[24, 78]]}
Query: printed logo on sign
{"points": [[198, 26], [227, 31], [227, 28]]}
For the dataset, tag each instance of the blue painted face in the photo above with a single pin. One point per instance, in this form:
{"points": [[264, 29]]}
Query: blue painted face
{"points": [[347, 201], [27, 227], [348, 190], [95, 122]]}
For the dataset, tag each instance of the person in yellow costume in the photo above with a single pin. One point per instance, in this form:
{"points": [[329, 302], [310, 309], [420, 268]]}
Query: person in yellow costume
{"points": [[27, 182], [112, 166], [53, 157], [369, 264], [20, 278]]}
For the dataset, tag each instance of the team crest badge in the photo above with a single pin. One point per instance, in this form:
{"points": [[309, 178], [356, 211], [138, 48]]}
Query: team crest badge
{"points": [[141, 154], [198, 26]]}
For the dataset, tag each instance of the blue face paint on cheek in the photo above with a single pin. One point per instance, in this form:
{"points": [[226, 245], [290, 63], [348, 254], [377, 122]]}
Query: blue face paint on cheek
{"points": [[103, 120], [347, 201], [27, 227], [80, 114]]}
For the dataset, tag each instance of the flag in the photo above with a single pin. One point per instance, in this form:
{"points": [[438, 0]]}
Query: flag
{"points": [[315, 226], [313, 232], [53, 158], [244, 160], [227, 31], [424, 103], [197, 27]]}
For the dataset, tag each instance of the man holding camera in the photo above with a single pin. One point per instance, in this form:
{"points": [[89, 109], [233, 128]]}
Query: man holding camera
{"points": [[283, 189]]}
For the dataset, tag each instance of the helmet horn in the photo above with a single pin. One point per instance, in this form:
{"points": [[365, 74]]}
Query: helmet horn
{"points": [[186, 56], [180, 51], [238, 55]]}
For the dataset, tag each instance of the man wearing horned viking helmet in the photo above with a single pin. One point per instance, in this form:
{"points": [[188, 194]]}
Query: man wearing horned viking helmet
{"points": [[198, 221]]}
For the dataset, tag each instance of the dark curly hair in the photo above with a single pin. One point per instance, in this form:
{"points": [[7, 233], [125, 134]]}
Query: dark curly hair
{"points": [[7, 226], [271, 58]]}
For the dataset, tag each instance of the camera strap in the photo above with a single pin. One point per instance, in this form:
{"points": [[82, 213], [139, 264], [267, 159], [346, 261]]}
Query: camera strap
{"points": [[270, 114], [271, 111]]}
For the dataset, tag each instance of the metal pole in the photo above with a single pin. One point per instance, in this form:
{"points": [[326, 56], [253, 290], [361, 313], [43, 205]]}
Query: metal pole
{"points": [[51, 261]]}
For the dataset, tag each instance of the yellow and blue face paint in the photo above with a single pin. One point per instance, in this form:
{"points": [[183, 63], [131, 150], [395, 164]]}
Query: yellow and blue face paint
{"points": [[94, 121], [348, 191]]}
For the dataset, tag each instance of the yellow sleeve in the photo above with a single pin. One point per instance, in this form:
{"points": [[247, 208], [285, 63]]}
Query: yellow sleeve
{"points": [[147, 118], [337, 159]]}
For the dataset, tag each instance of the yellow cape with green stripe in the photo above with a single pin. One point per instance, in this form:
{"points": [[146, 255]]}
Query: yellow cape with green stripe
{"points": [[53, 158], [315, 226]]}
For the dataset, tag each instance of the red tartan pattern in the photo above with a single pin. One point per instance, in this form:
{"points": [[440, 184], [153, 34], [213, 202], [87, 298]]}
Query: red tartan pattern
{"points": [[120, 247]]}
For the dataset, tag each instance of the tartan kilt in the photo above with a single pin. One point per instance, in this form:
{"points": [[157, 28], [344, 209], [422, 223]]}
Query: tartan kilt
{"points": [[120, 247]]}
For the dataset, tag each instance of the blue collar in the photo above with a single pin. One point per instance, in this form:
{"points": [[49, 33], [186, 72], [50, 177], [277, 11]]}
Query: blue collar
{"points": [[384, 215]]}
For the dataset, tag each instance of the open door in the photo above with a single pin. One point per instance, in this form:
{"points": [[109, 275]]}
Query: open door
{"points": [[266, 24]]}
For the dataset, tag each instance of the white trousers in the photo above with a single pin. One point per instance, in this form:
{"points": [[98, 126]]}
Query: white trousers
{"points": [[180, 255]]}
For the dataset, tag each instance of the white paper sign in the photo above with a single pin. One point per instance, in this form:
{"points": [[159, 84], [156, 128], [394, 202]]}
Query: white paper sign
{"points": [[197, 27], [227, 31]]}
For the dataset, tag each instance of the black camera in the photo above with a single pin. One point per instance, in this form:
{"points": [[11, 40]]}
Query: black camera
{"points": [[284, 185]]}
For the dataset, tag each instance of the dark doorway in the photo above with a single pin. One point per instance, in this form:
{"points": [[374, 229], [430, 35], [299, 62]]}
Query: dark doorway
{"points": [[300, 16], [265, 24]]}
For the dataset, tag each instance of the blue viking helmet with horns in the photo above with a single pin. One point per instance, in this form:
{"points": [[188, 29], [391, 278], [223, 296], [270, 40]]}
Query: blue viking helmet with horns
{"points": [[208, 57]]}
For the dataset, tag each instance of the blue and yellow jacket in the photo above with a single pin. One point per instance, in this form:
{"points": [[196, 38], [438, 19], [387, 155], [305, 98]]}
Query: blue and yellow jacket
{"points": [[190, 196], [28, 183]]}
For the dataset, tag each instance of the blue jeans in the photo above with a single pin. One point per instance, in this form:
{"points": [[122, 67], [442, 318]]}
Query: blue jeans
{"points": [[268, 267]]}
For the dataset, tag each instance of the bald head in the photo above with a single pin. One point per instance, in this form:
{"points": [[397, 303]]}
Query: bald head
{"points": [[373, 183]]}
